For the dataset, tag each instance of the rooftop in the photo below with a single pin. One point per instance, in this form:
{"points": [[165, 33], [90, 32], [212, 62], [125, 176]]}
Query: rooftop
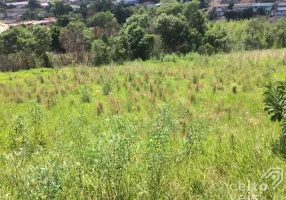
{"points": [[18, 3], [242, 5], [281, 4], [35, 22], [281, 8], [24, 3], [262, 4]]}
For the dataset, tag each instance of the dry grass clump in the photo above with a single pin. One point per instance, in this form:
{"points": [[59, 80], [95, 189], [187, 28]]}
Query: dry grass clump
{"points": [[114, 105], [38, 97], [63, 90], [214, 86], [99, 108], [234, 89]]}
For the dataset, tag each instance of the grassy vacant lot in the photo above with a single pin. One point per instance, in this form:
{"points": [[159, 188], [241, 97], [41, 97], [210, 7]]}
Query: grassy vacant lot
{"points": [[185, 128]]}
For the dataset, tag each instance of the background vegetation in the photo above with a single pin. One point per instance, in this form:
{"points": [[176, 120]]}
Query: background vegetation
{"points": [[113, 33]]}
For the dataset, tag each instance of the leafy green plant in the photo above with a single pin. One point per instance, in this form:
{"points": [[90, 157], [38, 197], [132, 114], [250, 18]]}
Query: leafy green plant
{"points": [[158, 139], [110, 157], [86, 96], [275, 101], [106, 88]]}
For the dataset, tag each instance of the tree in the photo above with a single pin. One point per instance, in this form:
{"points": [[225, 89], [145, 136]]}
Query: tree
{"points": [[58, 8], [142, 20], [203, 4], [33, 39], [104, 23], [118, 49], [231, 14], [260, 11], [172, 8], [55, 34], [26, 45], [246, 13], [275, 105], [101, 51], [63, 20], [280, 33], [122, 11], [138, 43], [174, 32], [34, 4], [195, 17], [216, 37], [74, 39], [255, 37], [230, 5], [101, 5], [83, 9]]}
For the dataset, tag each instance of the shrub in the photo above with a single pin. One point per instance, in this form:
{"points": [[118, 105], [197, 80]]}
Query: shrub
{"points": [[101, 51], [86, 96], [106, 87], [275, 102]]}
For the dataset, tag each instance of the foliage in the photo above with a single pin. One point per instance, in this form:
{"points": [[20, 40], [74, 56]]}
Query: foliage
{"points": [[245, 14], [216, 37], [275, 102], [102, 53], [141, 20], [101, 5], [195, 17], [58, 8], [131, 32], [172, 8], [138, 43], [104, 23], [76, 38], [102, 20], [122, 11], [280, 33], [32, 39], [174, 32], [34, 4]]}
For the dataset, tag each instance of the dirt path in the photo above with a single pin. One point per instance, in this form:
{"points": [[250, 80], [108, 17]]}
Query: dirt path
{"points": [[3, 27]]}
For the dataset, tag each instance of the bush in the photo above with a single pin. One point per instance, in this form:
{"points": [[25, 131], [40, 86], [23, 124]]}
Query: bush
{"points": [[206, 49], [101, 51], [275, 101]]}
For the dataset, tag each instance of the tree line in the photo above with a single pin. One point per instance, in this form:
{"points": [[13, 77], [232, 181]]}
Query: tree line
{"points": [[113, 33]]}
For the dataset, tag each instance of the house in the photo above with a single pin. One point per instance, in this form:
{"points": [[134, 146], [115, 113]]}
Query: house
{"points": [[75, 7], [18, 5], [2, 16], [131, 2], [241, 7], [280, 4], [219, 11], [24, 4], [148, 4], [280, 10], [45, 22], [228, 1], [267, 7], [20, 11], [14, 16], [44, 5]]}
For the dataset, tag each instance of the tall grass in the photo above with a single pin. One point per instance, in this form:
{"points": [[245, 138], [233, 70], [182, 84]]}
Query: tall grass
{"points": [[187, 128]]}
